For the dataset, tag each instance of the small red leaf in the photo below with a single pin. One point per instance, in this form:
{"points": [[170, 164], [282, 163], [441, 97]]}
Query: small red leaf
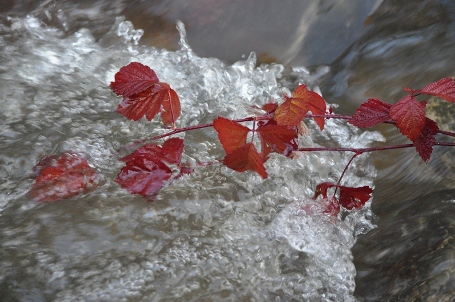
{"points": [[444, 88], [232, 135], [246, 158], [146, 170], [133, 78], [409, 116], [351, 198], [279, 138], [171, 107], [370, 113], [63, 176], [425, 142], [294, 109]]}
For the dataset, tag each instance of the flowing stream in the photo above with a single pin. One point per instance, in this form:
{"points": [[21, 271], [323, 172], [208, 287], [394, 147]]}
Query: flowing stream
{"points": [[219, 235]]}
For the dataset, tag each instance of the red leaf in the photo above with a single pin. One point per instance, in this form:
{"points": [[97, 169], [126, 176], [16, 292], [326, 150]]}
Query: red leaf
{"points": [[133, 78], [409, 116], [171, 107], [170, 152], [425, 142], [351, 198], [279, 138], [146, 171], [294, 109], [144, 95], [316, 104], [246, 158], [147, 102], [144, 175], [444, 88], [370, 113], [232, 135], [63, 176]]}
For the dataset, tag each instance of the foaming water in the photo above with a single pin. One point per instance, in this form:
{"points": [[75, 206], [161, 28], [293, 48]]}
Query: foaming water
{"points": [[214, 235]]}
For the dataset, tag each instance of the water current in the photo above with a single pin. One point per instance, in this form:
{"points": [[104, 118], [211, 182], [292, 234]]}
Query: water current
{"points": [[215, 235]]}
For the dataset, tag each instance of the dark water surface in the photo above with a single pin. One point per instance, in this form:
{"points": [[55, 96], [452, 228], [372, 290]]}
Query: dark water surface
{"points": [[221, 236]]}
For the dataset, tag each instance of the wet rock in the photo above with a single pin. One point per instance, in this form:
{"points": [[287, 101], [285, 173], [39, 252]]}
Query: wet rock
{"points": [[411, 255]]}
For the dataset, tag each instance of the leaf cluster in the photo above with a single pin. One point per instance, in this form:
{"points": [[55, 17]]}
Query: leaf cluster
{"points": [[151, 167]]}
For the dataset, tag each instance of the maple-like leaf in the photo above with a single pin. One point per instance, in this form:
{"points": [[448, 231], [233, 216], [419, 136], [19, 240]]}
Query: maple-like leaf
{"points": [[63, 176], [425, 142], [444, 89], [147, 171], [133, 78], [294, 109], [232, 135], [144, 95], [409, 116], [370, 113], [351, 198], [279, 138], [244, 159]]}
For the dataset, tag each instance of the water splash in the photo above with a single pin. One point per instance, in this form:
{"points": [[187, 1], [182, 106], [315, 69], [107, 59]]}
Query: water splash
{"points": [[216, 234]]}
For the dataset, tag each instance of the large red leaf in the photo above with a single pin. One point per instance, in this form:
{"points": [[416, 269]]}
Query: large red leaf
{"points": [[370, 113], [425, 142], [63, 176], [147, 102], [246, 158], [133, 78], [143, 95], [294, 109], [444, 88], [232, 135], [351, 198], [279, 138], [146, 170], [409, 116]]}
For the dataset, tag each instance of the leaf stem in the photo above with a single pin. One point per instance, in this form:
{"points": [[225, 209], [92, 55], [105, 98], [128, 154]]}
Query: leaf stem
{"points": [[344, 172]]}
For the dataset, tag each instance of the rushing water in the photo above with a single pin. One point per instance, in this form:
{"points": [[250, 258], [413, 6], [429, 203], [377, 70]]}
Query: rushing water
{"points": [[215, 235]]}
